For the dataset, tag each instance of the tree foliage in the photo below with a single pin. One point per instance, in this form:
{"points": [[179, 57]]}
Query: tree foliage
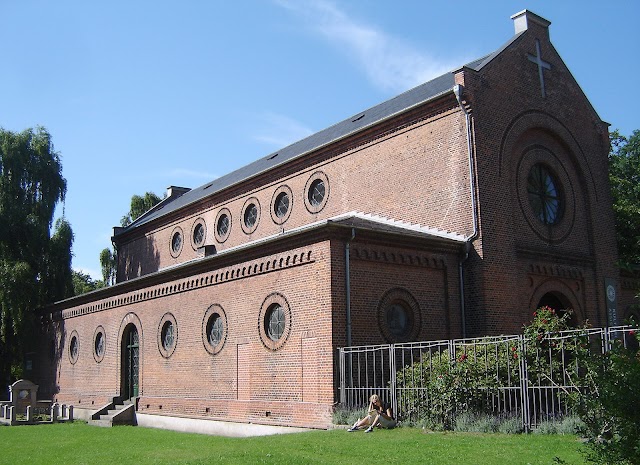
{"points": [[624, 177], [83, 283], [139, 206], [35, 266], [609, 403], [109, 266]]}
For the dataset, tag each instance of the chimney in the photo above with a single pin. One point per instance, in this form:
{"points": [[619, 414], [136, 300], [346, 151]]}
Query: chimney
{"points": [[175, 191], [526, 20]]}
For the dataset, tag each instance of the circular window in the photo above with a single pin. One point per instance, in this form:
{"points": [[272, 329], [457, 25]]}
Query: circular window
{"points": [[214, 329], [281, 207], [176, 242], [99, 344], [399, 316], [274, 321], [167, 335], [223, 225], [281, 204], [74, 347], [544, 193], [199, 233], [250, 215], [317, 192], [398, 320]]}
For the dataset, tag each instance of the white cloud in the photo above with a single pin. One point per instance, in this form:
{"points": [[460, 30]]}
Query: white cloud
{"points": [[280, 130], [389, 62]]}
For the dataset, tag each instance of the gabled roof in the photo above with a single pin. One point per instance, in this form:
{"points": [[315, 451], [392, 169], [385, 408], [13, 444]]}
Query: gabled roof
{"points": [[418, 95]]}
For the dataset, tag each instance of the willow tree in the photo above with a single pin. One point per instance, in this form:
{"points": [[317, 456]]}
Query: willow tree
{"points": [[35, 266]]}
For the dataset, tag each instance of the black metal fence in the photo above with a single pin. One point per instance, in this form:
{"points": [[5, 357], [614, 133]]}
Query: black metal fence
{"points": [[503, 375]]}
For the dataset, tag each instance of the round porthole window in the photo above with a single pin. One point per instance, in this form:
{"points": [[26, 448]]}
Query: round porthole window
{"points": [[250, 215], [545, 192], [317, 192], [399, 316], [167, 335], [398, 320], [176, 242], [223, 225], [74, 347], [214, 329], [545, 195], [274, 321], [281, 204], [99, 344], [198, 234]]}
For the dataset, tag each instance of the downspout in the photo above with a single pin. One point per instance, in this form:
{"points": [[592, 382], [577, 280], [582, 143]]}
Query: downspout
{"points": [[458, 90], [347, 265]]}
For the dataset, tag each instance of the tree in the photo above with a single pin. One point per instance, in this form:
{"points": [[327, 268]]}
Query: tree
{"points": [[609, 401], [139, 206], [624, 177], [109, 265], [108, 258], [83, 283], [35, 267]]}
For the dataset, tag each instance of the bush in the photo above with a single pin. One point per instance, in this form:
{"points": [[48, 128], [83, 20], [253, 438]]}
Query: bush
{"points": [[610, 403], [511, 425], [571, 424], [446, 384], [469, 422], [347, 416]]}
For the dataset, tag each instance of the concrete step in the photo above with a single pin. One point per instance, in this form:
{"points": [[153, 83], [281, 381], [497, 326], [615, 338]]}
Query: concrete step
{"points": [[115, 415], [101, 422]]}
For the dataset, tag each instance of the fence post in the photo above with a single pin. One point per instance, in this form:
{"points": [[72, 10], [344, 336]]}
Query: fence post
{"points": [[343, 394], [524, 384], [392, 379]]}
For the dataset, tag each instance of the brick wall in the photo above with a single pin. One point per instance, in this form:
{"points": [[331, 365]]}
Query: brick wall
{"points": [[420, 169], [242, 381]]}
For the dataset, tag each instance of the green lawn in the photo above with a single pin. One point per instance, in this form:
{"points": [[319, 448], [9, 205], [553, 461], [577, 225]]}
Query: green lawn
{"points": [[78, 443]]}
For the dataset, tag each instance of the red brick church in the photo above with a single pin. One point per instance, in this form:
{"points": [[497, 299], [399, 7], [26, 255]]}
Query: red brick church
{"points": [[452, 210]]}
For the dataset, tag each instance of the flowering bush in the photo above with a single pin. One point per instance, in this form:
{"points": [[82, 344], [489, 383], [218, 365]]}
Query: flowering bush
{"points": [[445, 384], [552, 350]]}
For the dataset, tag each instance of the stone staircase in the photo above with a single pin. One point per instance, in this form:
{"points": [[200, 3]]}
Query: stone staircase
{"points": [[117, 412]]}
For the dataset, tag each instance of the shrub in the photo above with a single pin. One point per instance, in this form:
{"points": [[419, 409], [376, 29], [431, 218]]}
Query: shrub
{"points": [[609, 404], [571, 424], [445, 384], [470, 422], [511, 425], [346, 416]]}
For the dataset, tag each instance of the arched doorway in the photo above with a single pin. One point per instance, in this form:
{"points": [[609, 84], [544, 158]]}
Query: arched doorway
{"points": [[130, 362], [560, 304]]}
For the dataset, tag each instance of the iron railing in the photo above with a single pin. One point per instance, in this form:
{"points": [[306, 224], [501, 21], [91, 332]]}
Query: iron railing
{"points": [[512, 376]]}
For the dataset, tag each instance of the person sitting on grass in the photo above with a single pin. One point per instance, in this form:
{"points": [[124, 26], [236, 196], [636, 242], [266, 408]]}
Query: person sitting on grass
{"points": [[380, 414]]}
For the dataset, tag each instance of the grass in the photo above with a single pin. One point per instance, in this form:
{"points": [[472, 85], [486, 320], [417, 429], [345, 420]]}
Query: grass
{"points": [[79, 443]]}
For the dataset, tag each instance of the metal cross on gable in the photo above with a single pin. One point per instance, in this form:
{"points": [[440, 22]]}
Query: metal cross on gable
{"points": [[542, 65]]}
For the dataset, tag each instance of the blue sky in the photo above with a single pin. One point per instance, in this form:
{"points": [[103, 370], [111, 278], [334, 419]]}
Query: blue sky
{"points": [[140, 95]]}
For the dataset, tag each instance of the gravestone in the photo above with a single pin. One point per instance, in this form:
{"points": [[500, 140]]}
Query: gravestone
{"points": [[23, 394]]}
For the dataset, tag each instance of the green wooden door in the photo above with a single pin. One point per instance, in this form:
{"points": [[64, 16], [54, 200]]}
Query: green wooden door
{"points": [[131, 368]]}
